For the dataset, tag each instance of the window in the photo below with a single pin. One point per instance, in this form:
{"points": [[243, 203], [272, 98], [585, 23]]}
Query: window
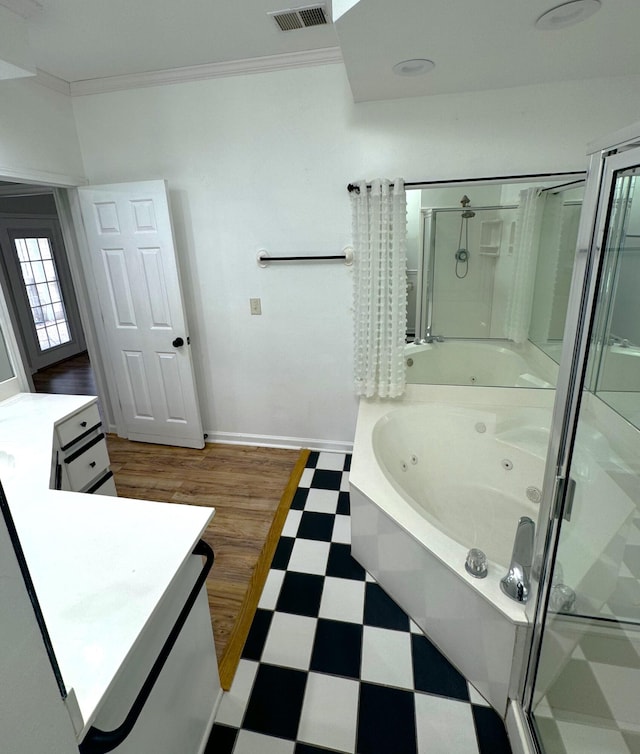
{"points": [[43, 291]]}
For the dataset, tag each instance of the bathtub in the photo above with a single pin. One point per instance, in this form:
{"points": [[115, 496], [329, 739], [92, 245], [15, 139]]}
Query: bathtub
{"points": [[431, 478], [448, 468], [427, 452], [476, 362]]}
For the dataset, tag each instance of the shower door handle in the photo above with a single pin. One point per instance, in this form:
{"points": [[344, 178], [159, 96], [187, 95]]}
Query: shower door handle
{"points": [[568, 499], [567, 490]]}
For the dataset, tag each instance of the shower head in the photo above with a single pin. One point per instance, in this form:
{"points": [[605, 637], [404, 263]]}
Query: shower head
{"points": [[466, 212]]}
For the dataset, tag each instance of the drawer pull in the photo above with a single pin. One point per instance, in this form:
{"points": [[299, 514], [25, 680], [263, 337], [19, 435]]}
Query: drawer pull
{"points": [[99, 483], [82, 435], [84, 448], [92, 464], [58, 477], [83, 424], [101, 741]]}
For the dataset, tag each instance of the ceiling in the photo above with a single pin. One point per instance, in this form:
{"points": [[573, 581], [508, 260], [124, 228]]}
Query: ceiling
{"points": [[482, 44], [476, 44]]}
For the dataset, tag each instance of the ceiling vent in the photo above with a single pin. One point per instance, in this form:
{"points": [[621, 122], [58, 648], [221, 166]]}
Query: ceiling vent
{"points": [[300, 18]]}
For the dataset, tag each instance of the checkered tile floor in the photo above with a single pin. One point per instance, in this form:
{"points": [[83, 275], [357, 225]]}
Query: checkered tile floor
{"points": [[332, 664]]}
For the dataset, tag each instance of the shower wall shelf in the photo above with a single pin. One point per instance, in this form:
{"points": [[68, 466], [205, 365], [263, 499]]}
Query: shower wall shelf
{"points": [[264, 258], [490, 237]]}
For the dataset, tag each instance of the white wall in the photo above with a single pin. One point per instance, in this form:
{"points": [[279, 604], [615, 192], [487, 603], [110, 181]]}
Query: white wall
{"points": [[263, 161], [37, 133], [38, 143]]}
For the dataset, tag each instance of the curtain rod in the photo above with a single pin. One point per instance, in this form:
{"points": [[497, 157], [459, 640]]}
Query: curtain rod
{"points": [[354, 188]]}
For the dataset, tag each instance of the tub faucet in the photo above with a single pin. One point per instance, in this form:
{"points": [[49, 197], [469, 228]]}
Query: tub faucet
{"points": [[433, 339], [517, 582]]}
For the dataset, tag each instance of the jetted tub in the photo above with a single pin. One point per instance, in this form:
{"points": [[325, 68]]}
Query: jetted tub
{"points": [[430, 480], [466, 471], [448, 468], [476, 362]]}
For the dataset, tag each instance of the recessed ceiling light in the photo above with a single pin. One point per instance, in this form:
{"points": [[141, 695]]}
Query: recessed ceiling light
{"points": [[413, 67], [568, 14]]}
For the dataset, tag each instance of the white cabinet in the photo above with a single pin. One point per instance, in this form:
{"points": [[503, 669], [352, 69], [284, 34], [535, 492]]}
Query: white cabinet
{"points": [[81, 459], [177, 716], [136, 610]]}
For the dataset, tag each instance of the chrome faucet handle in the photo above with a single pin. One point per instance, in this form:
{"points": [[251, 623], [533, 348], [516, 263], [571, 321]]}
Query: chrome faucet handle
{"points": [[517, 582]]}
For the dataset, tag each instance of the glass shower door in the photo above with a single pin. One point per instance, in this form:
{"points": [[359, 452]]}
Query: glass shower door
{"points": [[468, 258], [586, 693]]}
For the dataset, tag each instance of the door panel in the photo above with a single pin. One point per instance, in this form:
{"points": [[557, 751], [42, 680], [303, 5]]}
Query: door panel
{"points": [[588, 676], [133, 260]]}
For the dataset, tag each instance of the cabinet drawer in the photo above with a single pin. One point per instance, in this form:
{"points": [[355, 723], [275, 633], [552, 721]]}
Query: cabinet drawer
{"points": [[87, 463], [106, 485], [80, 425]]}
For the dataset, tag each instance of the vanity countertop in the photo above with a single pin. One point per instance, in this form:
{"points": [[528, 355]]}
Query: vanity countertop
{"points": [[100, 565]]}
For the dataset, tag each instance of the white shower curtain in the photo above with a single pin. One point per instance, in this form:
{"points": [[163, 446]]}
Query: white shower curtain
{"points": [[380, 287], [526, 243]]}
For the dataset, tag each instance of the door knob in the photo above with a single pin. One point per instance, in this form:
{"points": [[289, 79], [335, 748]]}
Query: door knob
{"points": [[177, 343]]}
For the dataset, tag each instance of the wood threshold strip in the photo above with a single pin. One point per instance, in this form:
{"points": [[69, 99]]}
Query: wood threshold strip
{"points": [[238, 635]]}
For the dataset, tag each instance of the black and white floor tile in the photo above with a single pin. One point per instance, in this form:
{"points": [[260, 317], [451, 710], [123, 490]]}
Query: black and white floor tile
{"points": [[332, 664]]}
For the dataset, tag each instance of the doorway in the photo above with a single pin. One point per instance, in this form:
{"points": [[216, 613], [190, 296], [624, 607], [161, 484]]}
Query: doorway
{"points": [[41, 297]]}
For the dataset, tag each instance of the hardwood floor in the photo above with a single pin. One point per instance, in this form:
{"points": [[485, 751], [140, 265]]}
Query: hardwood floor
{"points": [[72, 377], [243, 484]]}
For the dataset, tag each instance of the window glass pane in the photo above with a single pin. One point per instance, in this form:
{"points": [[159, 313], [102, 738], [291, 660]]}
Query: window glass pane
{"points": [[21, 249], [38, 272], [32, 294], [47, 313], [33, 249], [45, 248], [63, 332], [27, 272], [58, 311], [43, 340], [43, 293], [49, 269], [54, 292]]}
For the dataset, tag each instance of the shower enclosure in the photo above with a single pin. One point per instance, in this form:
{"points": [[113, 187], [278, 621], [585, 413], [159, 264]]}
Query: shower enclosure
{"points": [[464, 288], [479, 260], [580, 689]]}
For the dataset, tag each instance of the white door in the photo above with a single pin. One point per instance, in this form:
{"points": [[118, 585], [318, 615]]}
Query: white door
{"points": [[134, 265]]}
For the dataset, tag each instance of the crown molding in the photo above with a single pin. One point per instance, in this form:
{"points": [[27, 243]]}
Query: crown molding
{"points": [[50, 81], [325, 56]]}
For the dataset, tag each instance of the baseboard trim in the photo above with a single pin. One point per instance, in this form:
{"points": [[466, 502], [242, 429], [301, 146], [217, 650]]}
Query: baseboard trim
{"points": [[277, 441]]}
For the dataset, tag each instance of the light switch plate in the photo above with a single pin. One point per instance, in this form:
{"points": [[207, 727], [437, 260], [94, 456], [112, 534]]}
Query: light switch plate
{"points": [[256, 305]]}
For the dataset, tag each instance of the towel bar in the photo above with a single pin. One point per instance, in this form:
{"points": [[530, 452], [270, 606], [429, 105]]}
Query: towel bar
{"points": [[264, 258]]}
